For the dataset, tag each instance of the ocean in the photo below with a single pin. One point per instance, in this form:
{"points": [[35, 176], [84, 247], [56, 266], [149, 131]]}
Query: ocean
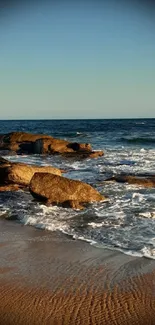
{"points": [[127, 221]]}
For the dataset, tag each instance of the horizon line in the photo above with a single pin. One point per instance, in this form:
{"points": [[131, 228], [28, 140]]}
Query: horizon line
{"points": [[74, 119]]}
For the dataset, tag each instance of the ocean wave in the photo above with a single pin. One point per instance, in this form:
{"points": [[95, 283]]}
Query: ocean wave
{"points": [[108, 226], [138, 140], [69, 134]]}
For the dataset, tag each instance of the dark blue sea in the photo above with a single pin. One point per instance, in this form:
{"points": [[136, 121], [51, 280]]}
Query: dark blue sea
{"points": [[127, 221]]}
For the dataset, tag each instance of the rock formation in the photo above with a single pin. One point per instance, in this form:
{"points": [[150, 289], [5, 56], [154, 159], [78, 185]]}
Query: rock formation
{"points": [[143, 180], [55, 189], [20, 173], [21, 142]]}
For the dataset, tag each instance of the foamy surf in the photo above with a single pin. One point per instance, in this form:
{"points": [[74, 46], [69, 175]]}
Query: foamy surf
{"points": [[126, 221], [104, 226]]}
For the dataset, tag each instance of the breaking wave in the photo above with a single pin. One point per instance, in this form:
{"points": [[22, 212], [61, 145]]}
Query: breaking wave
{"points": [[127, 221], [138, 140]]}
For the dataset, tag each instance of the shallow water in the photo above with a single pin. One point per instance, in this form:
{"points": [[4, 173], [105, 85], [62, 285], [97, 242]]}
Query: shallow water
{"points": [[127, 221]]}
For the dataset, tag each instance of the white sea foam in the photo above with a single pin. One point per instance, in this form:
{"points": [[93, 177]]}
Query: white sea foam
{"points": [[138, 198], [150, 215], [126, 222], [148, 252]]}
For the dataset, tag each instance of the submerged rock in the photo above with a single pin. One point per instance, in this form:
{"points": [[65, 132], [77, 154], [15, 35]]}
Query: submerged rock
{"points": [[143, 180], [55, 189], [83, 155]]}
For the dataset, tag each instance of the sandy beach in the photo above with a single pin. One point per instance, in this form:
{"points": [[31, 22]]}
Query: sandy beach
{"points": [[77, 163], [49, 278]]}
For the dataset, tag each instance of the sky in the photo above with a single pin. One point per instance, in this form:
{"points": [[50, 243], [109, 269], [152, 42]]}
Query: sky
{"points": [[77, 60]]}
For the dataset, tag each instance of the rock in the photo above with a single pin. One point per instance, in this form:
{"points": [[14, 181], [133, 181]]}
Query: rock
{"points": [[82, 147], [7, 152], [59, 146], [83, 155], [146, 181], [4, 161], [61, 190], [48, 146], [20, 142], [20, 173], [96, 154], [10, 187], [20, 137], [74, 204]]}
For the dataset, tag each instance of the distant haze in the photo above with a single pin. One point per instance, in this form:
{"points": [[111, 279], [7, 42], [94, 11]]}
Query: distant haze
{"points": [[89, 60]]}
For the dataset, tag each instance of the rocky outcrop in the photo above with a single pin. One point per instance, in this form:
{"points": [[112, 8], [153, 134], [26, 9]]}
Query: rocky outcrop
{"points": [[59, 190], [143, 180], [21, 142], [65, 148], [20, 173], [59, 146], [20, 137]]}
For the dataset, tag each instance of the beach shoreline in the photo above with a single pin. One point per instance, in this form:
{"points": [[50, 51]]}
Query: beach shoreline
{"points": [[49, 278]]}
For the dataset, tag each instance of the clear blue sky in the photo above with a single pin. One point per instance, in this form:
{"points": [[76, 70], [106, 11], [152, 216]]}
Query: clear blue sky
{"points": [[79, 61]]}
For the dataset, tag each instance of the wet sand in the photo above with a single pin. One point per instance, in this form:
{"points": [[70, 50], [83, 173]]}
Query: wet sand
{"points": [[48, 278]]}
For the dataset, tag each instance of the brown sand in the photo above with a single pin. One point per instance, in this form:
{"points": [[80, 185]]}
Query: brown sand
{"points": [[48, 278]]}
